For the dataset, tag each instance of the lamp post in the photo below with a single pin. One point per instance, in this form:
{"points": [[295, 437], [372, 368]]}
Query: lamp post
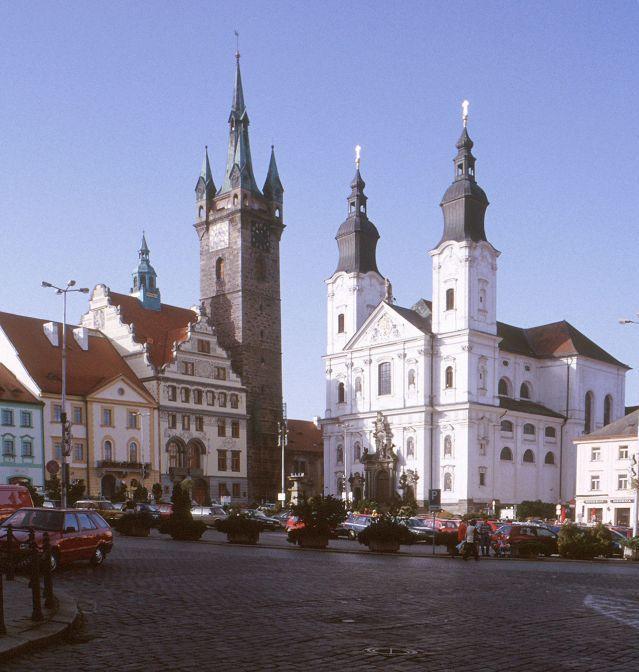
{"points": [[66, 427], [634, 476]]}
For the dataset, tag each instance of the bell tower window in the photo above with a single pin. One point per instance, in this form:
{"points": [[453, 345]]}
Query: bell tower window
{"points": [[219, 269], [340, 323], [450, 299]]}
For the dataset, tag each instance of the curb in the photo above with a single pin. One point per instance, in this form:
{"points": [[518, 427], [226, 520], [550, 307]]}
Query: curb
{"points": [[404, 554], [64, 618]]}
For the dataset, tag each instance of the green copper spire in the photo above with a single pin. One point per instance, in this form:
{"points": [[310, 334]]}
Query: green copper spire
{"points": [[239, 166], [205, 187], [273, 189], [145, 280]]}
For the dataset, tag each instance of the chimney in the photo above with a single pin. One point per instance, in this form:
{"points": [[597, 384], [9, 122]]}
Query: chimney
{"points": [[51, 332], [81, 335]]}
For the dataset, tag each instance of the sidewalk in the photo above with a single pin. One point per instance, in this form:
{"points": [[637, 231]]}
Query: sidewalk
{"points": [[23, 634]]}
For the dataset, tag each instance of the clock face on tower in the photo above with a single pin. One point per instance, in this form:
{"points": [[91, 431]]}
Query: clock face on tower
{"points": [[260, 236], [219, 235]]}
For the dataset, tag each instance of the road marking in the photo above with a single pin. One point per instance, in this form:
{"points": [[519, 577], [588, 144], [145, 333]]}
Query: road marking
{"points": [[620, 609]]}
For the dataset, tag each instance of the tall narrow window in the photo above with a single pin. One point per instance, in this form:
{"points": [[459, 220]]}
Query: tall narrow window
{"points": [[108, 451], [357, 451], [219, 269], [448, 446], [450, 299], [358, 386], [588, 412], [448, 377], [607, 410], [384, 378], [133, 452], [502, 388], [341, 394], [524, 391], [340, 454], [340, 323]]}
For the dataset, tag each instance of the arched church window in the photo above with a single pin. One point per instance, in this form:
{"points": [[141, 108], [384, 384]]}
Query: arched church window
{"points": [[607, 417], [448, 482], [506, 454], [588, 402], [550, 432], [449, 377], [550, 458], [384, 378], [450, 299], [340, 323], [529, 429], [235, 199], [341, 393], [529, 456], [340, 454], [448, 446], [503, 388], [524, 391], [107, 451], [219, 269], [357, 451], [410, 447], [506, 426]]}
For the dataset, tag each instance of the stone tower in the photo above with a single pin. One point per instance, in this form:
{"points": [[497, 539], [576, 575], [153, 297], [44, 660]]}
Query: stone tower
{"points": [[239, 228]]}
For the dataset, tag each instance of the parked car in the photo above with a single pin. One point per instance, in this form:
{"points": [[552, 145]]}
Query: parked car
{"points": [[420, 528], [151, 509], [74, 534], [282, 516], [353, 525], [268, 522], [525, 539], [12, 498], [50, 504], [107, 510], [165, 509], [210, 515]]}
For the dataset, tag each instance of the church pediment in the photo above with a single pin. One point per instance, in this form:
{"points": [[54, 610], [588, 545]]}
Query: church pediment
{"points": [[385, 325]]}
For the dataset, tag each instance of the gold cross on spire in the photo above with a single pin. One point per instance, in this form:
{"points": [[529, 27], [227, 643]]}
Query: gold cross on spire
{"points": [[465, 105], [358, 151]]}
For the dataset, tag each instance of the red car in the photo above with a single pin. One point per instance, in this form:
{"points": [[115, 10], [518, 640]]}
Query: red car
{"points": [[74, 535], [165, 510], [524, 540], [12, 498]]}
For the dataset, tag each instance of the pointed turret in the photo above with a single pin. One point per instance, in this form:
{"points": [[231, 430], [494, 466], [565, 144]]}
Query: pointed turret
{"points": [[205, 187], [357, 237], [239, 166], [273, 189], [464, 203], [145, 280]]}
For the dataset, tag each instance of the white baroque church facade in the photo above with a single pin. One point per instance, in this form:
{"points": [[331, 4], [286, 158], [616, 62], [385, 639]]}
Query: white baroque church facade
{"points": [[483, 410]]}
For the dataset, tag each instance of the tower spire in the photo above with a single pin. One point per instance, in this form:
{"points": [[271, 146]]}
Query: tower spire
{"points": [[145, 279], [464, 203], [273, 189], [357, 237], [239, 165]]}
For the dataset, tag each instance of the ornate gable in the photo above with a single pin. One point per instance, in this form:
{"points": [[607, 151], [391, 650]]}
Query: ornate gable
{"points": [[385, 325]]}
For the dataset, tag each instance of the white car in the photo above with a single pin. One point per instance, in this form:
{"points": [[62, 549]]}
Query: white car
{"points": [[208, 514]]}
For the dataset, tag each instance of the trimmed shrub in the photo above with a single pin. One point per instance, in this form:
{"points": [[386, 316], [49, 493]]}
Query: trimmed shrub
{"points": [[386, 529], [584, 543]]}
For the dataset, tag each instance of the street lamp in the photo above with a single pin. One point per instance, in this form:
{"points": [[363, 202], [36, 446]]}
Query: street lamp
{"points": [[633, 470], [66, 426]]}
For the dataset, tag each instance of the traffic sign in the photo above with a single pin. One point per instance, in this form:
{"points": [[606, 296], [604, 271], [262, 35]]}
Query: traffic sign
{"points": [[434, 499], [53, 467]]}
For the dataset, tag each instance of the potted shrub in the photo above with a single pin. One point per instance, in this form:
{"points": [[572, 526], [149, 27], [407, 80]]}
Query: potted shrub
{"points": [[134, 524], [385, 535], [584, 543], [180, 524], [240, 529], [631, 549], [318, 517]]}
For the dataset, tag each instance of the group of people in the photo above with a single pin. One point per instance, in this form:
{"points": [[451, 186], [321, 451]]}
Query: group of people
{"points": [[474, 538]]}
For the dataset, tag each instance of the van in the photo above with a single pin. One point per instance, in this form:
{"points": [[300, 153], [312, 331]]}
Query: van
{"points": [[12, 498]]}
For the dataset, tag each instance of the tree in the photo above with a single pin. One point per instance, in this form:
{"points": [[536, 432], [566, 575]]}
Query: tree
{"points": [[53, 488], [140, 494], [536, 509], [157, 492]]}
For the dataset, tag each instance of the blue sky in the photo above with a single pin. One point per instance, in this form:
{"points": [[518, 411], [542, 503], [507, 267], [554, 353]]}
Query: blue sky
{"points": [[105, 109]]}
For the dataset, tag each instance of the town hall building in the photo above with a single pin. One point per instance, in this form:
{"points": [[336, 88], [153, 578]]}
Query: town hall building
{"points": [[441, 394]]}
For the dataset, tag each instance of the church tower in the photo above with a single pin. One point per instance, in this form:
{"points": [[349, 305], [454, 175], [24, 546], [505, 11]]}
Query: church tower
{"points": [[239, 228], [465, 287], [356, 287], [145, 280]]}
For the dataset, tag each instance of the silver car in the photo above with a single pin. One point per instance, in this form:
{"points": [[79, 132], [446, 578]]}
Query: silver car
{"points": [[208, 514]]}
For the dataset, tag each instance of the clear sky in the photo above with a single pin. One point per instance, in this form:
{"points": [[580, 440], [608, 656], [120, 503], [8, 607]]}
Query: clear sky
{"points": [[105, 108]]}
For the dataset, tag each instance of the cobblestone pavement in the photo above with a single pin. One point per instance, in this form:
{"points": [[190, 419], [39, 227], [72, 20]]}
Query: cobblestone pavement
{"points": [[158, 604]]}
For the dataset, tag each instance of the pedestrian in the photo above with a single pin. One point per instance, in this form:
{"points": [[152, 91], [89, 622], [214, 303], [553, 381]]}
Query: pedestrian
{"points": [[472, 541], [484, 539]]}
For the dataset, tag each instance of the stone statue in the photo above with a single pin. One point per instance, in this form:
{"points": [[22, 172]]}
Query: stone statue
{"points": [[383, 437]]}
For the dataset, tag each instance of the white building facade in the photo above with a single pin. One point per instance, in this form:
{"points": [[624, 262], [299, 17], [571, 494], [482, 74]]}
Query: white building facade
{"points": [[485, 411], [605, 492]]}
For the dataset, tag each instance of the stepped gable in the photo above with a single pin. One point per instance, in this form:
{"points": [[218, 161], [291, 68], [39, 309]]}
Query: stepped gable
{"points": [[160, 330]]}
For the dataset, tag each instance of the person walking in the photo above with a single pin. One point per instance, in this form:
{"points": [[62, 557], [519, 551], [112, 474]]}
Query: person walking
{"points": [[472, 539]]}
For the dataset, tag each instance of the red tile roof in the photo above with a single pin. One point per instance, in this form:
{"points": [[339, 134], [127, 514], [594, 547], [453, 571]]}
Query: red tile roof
{"points": [[87, 370], [305, 436], [558, 339], [160, 329], [11, 389]]}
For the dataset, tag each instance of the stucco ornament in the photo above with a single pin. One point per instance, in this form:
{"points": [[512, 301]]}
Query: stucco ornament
{"points": [[384, 330]]}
